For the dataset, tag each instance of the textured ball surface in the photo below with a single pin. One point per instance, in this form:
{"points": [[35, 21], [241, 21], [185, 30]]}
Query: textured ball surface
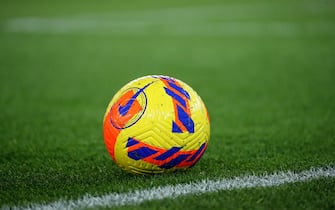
{"points": [[156, 124]]}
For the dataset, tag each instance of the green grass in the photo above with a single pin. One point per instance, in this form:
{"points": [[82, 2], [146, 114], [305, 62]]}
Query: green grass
{"points": [[269, 89]]}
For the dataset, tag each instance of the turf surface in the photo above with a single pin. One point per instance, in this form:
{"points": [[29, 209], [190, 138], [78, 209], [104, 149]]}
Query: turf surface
{"points": [[264, 69]]}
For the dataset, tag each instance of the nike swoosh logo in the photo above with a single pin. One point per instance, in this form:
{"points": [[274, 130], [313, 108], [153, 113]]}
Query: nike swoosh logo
{"points": [[123, 110]]}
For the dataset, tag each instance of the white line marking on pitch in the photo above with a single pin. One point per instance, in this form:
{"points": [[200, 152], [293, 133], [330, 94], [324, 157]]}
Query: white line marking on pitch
{"points": [[154, 27], [208, 21], [173, 191]]}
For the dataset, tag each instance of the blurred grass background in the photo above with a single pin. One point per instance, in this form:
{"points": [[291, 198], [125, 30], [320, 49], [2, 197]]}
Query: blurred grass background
{"points": [[265, 70]]}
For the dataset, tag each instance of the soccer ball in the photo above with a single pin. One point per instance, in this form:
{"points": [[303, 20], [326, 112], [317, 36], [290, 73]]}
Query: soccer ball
{"points": [[156, 124]]}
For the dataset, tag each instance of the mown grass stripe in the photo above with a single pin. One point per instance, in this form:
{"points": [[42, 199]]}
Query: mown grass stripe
{"points": [[173, 191]]}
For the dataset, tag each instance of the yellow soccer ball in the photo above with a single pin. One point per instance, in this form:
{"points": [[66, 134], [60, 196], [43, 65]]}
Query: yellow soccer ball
{"points": [[156, 124]]}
